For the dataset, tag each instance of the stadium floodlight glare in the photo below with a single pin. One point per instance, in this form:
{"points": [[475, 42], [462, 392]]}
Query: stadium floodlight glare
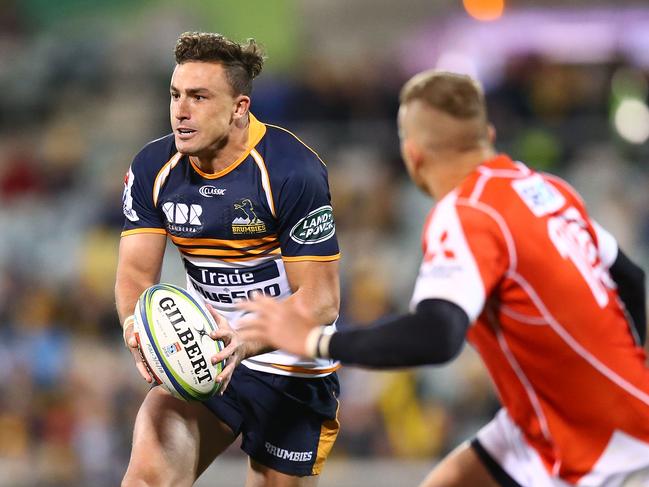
{"points": [[631, 120], [484, 10]]}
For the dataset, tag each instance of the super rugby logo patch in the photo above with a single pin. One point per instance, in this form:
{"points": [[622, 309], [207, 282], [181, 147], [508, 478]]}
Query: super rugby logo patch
{"points": [[317, 226]]}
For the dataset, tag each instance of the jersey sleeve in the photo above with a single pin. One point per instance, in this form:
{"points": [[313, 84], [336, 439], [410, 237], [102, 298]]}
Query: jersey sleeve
{"points": [[307, 230], [606, 244], [465, 256], [140, 214]]}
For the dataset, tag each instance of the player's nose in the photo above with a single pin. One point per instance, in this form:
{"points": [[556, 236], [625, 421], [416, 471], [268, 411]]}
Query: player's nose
{"points": [[180, 109]]}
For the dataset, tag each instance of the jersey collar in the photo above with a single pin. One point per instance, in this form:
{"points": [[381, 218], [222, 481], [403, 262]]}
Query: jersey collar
{"points": [[256, 131], [500, 161]]}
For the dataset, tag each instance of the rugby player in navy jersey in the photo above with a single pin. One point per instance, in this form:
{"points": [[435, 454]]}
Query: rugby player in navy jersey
{"points": [[248, 206]]}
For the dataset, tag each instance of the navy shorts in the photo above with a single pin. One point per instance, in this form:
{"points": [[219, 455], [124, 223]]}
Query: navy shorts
{"points": [[288, 424]]}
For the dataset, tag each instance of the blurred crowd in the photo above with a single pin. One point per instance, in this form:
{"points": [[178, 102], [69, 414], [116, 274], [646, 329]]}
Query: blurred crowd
{"points": [[73, 115]]}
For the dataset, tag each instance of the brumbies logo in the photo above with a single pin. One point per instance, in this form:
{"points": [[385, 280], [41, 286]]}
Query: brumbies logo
{"points": [[247, 220], [317, 226]]}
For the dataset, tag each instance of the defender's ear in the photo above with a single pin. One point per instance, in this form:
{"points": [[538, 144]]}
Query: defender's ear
{"points": [[412, 155], [491, 133]]}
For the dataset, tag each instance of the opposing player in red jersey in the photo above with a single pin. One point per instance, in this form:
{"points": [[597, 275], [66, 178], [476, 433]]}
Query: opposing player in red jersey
{"points": [[514, 263]]}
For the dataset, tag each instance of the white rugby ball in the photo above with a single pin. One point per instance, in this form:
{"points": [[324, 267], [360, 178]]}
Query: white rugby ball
{"points": [[172, 330]]}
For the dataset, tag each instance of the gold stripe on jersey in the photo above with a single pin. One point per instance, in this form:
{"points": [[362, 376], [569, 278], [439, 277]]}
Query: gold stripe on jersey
{"points": [[160, 231], [315, 258], [265, 180], [163, 174], [306, 370], [300, 140], [230, 255], [328, 433], [256, 131], [250, 244]]}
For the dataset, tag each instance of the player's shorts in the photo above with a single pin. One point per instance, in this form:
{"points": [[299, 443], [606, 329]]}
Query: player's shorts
{"points": [[287, 423], [512, 462]]}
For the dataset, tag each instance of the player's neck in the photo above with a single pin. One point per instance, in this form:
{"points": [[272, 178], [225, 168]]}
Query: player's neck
{"points": [[227, 151], [447, 174]]}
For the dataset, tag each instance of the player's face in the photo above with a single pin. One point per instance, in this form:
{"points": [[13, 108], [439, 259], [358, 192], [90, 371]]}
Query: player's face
{"points": [[203, 107]]}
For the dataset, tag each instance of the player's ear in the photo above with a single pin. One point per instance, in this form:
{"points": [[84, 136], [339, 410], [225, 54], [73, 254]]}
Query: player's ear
{"points": [[411, 153], [241, 106], [491, 133]]}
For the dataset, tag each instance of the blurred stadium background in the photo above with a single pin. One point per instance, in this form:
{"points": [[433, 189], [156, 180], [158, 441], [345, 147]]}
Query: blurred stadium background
{"points": [[84, 84]]}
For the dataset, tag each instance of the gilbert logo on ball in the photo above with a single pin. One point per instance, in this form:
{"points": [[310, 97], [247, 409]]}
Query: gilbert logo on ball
{"points": [[172, 329]]}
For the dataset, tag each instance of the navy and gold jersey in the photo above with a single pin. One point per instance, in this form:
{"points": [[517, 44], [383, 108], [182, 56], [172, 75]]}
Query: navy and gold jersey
{"points": [[235, 228]]}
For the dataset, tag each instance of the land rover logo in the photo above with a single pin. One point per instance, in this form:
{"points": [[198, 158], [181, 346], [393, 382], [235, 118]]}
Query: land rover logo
{"points": [[209, 191], [317, 226]]}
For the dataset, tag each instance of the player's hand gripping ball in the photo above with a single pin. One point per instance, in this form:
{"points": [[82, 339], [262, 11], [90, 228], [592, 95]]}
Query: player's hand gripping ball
{"points": [[172, 330]]}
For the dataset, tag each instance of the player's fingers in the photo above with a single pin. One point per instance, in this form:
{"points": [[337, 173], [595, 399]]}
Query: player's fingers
{"points": [[221, 321], [253, 321], [256, 305], [224, 377], [139, 364], [252, 333], [224, 354], [220, 334], [143, 372]]}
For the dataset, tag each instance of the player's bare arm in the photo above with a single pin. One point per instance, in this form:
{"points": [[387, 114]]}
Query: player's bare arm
{"points": [[138, 267], [316, 290], [433, 334]]}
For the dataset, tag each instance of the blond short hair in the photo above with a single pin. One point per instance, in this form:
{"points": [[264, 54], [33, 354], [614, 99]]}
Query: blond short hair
{"points": [[455, 94]]}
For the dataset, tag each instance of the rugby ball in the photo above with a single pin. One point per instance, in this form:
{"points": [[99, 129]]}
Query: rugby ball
{"points": [[172, 330]]}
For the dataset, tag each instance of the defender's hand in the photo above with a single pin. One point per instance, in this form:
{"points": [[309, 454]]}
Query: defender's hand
{"points": [[131, 342], [233, 353], [280, 324]]}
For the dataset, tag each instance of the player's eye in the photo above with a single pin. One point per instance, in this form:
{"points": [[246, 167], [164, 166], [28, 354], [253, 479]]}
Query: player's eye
{"points": [[199, 97], [175, 96]]}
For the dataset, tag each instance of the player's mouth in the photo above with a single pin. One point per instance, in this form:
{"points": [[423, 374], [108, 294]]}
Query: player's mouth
{"points": [[184, 133]]}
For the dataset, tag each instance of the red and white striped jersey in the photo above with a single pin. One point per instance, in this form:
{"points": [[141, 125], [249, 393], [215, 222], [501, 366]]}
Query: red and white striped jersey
{"points": [[517, 250]]}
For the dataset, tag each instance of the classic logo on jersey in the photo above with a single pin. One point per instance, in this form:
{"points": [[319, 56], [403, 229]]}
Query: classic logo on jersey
{"points": [[317, 226], [127, 197], [182, 217], [246, 221], [209, 191]]}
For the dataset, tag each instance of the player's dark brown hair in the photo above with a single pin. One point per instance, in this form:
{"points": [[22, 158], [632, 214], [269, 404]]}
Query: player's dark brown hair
{"points": [[454, 94], [242, 62]]}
